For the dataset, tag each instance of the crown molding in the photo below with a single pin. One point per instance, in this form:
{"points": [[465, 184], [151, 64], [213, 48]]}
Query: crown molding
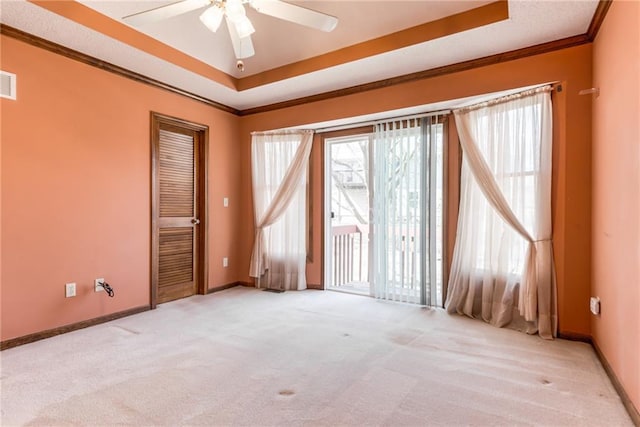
{"points": [[598, 18], [588, 37], [106, 66], [434, 72]]}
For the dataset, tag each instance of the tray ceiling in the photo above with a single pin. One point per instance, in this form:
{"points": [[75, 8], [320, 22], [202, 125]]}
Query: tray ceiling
{"points": [[374, 40]]}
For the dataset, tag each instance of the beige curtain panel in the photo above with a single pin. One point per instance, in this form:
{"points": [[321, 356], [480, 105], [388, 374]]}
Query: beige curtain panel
{"points": [[503, 269], [279, 176]]}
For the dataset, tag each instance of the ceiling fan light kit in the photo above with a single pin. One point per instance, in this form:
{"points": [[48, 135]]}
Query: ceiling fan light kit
{"points": [[239, 26]]}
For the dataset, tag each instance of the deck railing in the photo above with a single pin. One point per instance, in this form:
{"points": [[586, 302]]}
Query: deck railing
{"points": [[350, 262], [350, 259]]}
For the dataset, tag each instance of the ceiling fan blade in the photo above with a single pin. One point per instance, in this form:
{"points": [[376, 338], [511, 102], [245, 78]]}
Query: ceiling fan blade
{"points": [[242, 47], [164, 12], [296, 14]]}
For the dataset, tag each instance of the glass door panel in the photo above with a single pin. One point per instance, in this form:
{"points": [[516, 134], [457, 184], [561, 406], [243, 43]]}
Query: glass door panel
{"points": [[347, 175]]}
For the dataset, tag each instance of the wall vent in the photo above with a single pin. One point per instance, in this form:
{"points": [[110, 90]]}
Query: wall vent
{"points": [[7, 85]]}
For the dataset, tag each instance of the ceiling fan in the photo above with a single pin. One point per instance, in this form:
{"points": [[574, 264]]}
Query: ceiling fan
{"points": [[238, 24]]}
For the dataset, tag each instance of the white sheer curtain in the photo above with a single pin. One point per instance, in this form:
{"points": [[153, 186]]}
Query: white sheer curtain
{"points": [[279, 163], [502, 268]]}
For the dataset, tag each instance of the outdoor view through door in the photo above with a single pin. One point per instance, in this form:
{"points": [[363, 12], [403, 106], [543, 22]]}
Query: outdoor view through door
{"points": [[384, 212], [349, 180]]}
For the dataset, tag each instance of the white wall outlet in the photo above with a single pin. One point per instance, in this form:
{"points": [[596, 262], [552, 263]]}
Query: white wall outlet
{"points": [[98, 285], [70, 290], [225, 202], [225, 262], [594, 305]]}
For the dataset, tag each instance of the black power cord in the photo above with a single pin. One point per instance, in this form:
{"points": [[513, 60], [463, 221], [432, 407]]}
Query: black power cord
{"points": [[108, 289]]}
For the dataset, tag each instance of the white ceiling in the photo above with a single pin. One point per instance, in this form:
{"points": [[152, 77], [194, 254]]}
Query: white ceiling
{"points": [[279, 43]]}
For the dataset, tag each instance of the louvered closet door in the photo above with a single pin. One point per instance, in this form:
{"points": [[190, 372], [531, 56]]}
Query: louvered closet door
{"points": [[177, 213]]}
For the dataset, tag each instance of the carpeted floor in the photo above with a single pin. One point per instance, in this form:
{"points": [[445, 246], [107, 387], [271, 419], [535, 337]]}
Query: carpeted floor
{"points": [[246, 357]]}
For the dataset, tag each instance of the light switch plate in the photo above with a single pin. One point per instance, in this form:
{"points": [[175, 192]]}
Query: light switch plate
{"points": [[70, 290]]}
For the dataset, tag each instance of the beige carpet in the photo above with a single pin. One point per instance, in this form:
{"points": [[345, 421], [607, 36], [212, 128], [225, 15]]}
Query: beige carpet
{"points": [[247, 357]]}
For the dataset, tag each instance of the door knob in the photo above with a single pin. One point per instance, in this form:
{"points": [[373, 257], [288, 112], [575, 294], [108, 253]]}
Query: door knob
{"points": [[195, 221]]}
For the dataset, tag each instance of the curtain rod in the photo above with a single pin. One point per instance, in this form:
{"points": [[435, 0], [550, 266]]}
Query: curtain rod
{"points": [[548, 87], [376, 122], [290, 131]]}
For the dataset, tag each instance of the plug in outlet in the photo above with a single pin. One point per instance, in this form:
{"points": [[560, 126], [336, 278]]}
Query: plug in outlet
{"points": [[98, 284], [594, 305], [70, 290]]}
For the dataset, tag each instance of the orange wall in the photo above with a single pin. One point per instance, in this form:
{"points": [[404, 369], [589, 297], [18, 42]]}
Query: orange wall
{"points": [[74, 182], [76, 189], [616, 193], [572, 116], [75, 179]]}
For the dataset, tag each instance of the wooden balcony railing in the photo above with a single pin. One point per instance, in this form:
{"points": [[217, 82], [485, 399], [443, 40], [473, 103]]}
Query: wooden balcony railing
{"points": [[350, 259]]}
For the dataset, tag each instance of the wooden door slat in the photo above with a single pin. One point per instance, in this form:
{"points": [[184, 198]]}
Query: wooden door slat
{"points": [[177, 193], [176, 174], [176, 178]]}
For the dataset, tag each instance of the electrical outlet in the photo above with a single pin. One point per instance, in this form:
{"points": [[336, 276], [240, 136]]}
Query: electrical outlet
{"points": [[225, 262], [70, 290], [225, 202], [98, 285], [594, 305]]}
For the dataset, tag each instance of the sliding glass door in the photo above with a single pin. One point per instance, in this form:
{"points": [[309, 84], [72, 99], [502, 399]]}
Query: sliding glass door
{"points": [[347, 198], [385, 191]]}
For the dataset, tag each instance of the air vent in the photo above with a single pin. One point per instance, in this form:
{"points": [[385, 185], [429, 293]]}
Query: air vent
{"points": [[7, 85]]}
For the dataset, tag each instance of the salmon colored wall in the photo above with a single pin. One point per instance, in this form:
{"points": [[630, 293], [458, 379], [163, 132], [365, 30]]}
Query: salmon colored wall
{"points": [[616, 193], [314, 268], [76, 189], [572, 116], [75, 179]]}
